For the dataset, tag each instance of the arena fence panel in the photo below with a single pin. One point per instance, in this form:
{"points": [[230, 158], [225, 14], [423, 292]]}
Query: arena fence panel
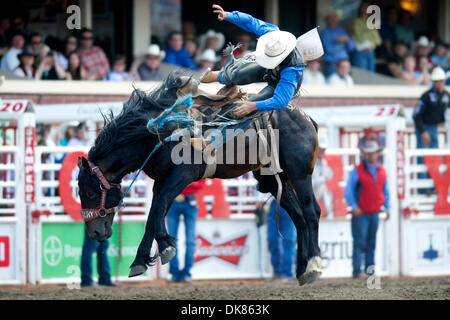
{"points": [[16, 186]]}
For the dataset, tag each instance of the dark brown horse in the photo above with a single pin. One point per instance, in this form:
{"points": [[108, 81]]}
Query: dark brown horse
{"points": [[124, 144]]}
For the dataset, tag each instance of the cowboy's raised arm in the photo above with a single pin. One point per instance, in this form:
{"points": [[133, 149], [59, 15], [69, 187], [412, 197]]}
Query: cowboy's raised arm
{"points": [[245, 21]]}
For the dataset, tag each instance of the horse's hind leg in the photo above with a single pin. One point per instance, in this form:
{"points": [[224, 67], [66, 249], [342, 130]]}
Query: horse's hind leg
{"points": [[311, 213], [289, 202]]}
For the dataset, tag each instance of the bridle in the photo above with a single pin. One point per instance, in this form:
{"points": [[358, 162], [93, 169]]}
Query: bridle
{"points": [[105, 186]]}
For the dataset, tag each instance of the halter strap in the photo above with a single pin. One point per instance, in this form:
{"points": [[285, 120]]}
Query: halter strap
{"points": [[105, 186]]}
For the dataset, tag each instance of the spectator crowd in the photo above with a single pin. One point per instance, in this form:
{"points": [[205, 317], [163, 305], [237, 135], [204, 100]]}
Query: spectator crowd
{"points": [[392, 49]]}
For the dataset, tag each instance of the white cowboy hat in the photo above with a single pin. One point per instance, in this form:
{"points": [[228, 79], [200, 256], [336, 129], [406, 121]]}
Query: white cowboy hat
{"points": [[208, 55], [273, 47], [154, 50], [423, 42], [370, 146], [212, 34], [438, 74]]}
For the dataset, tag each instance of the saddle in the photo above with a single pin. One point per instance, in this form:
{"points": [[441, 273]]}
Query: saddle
{"points": [[208, 106]]}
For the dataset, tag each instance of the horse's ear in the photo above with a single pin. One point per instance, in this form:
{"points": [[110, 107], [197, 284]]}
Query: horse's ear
{"points": [[82, 163]]}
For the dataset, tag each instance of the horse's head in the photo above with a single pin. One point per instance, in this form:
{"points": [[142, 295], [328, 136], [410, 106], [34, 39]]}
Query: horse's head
{"points": [[99, 200]]}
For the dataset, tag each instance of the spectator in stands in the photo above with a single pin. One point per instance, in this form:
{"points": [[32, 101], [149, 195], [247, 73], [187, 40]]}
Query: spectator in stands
{"points": [[366, 193], [244, 49], [423, 48], [75, 70], [387, 33], [312, 74], [149, 68], [207, 60], [69, 133], [176, 54], [439, 57], [10, 61], [4, 28], [118, 73], [424, 71], [48, 69], [409, 74], [26, 67], [366, 40], [40, 49], [211, 40], [321, 175], [342, 75], [80, 136], [404, 31], [336, 43], [71, 45], [186, 205], [93, 58], [430, 111], [191, 46], [395, 62]]}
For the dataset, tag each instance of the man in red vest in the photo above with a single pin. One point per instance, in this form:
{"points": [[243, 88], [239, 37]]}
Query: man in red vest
{"points": [[366, 193]]}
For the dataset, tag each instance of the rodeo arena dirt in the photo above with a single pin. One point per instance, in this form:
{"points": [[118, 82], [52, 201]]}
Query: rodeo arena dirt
{"points": [[103, 197]]}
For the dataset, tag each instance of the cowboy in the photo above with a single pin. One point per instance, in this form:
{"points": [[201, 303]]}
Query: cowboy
{"points": [[429, 115], [366, 192], [278, 62]]}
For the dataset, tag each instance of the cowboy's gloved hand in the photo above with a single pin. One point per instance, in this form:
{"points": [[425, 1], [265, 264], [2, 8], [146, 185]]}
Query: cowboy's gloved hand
{"points": [[245, 109], [222, 15]]}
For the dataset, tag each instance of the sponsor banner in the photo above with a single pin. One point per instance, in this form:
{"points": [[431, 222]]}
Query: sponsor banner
{"points": [[336, 247], [8, 255], [62, 245], [428, 247], [227, 249]]}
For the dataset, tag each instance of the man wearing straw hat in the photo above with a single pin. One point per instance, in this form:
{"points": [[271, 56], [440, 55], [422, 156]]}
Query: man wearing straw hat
{"points": [[277, 61], [366, 193]]}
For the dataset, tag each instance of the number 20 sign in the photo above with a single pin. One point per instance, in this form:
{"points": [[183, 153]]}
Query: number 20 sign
{"points": [[12, 106]]}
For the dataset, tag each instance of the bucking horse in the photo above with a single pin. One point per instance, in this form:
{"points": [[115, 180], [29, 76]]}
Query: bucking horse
{"points": [[125, 142]]}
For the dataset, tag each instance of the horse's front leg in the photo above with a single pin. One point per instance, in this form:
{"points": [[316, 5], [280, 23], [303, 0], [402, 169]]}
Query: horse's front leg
{"points": [[163, 195]]}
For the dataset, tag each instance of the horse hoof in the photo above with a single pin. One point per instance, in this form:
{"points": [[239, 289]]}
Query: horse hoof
{"points": [[167, 254], [137, 270], [313, 269], [313, 276], [302, 280]]}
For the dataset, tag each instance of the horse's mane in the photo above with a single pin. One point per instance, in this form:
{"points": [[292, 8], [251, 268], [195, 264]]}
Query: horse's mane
{"points": [[130, 125]]}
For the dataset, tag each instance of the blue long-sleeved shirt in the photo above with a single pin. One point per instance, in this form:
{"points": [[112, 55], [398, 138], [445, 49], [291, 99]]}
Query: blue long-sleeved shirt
{"points": [[179, 58], [350, 189], [289, 77], [335, 51]]}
